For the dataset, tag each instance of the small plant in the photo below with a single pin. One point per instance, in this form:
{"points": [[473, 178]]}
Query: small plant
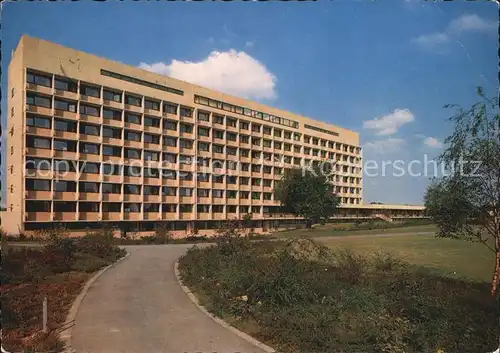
{"points": [[162, 233]]}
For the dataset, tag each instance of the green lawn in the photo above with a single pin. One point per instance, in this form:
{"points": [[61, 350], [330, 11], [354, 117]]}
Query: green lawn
{"points": [[455, 258], [332, 231]]}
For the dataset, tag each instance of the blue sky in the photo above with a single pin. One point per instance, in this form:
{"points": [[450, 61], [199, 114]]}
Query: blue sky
{"points": [[382, 68]]}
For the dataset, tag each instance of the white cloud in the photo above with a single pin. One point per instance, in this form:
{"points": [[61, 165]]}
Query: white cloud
{"points": [[389, 124], [386, 146], [433, 142], [231, 72], [471, 22], [464, 23], [431, 40], [249, 43]]}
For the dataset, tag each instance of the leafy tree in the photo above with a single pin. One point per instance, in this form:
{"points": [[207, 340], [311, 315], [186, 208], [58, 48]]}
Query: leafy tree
{"points": [[307, 193], [465, 202]]}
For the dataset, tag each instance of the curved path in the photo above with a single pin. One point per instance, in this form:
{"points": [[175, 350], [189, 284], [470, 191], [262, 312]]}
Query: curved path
{"points": [[139, 307]]}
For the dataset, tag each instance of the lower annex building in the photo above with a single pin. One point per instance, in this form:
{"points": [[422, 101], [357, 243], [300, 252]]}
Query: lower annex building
{"points": [[93, 141]]}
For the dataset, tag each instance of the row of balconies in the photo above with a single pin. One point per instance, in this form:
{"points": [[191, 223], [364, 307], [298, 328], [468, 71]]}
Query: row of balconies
{"points": [[98, 197]]}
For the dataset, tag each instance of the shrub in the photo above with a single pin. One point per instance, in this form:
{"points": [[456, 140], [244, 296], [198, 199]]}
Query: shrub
{"points": [[99, 244]]}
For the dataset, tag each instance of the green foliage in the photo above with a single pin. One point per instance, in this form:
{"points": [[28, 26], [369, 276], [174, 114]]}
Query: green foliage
{"points": [[340, 301], [307, 193], [466, 202]]}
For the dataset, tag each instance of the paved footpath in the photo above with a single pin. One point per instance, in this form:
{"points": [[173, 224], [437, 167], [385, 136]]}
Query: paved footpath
{"points": [[139, 307]]}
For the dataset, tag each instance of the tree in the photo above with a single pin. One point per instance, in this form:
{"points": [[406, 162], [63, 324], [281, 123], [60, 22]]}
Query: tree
{"points": [[307, 193], [465, 203]]}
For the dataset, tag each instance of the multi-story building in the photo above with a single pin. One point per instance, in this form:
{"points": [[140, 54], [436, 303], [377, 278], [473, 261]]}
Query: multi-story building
{"points": [[90, 140]]}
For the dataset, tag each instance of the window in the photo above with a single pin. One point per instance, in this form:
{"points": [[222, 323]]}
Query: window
{"points": [[37, 184], [217, 208], [68, 106], [65, 206], [91, 91], [255, 195], [151, 207], [288, 135], [203, 146], [267, 143], [89, 129], [218, 119], [64, 166], [132, 171], [267, 182], [151, 156], [267, 130], [216, 193], [89, 207], [132, 153], [39, 101], [307, 139], [111, 207], [132, 207], [111, 95], [111, 132], [186, 128], [151, 190], [256, 141], [151, 104], [296, 149], [267, 169], [131, 189], [111, 151], [231, 179], [218, 179], [244, 138], [64, 186], [39, 79], [169, 208], [65, 85], [203, 177], [256, 181], [111, 188], [38, 206], [255, 154], [186, 144], [150, 121], [217, 148], [64, 125], [170, 141], [244, 195], [267, 196], [203, 208], [219, 134], [111, 169], [170, 108], [169, 157], [231, 136], [183, 159], [203, 192], [185, 208], [255, 127], [185, 192], [85, 186], [112, 114], [231, 122], [203, 131], [169, 125], [93, 168], [37, 142], [132, 118], [38, 163], [132, 135], [244, 125], [245, 167], [244, 152], [203, 116], [38, 121], [90, 148], [287, 147], [154, 139], [168, 191], [90, 110], [133, 100], [231, 151], [186, 176], [169, 174], [186, 112]]}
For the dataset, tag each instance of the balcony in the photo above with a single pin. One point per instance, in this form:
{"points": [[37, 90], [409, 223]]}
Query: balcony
{"points": [[204, 185], [232, 201], [232, 143], [38, 88], [89, 157], [244, 187], [90, 99], [152, 198], [112, 104], [151, 146], [39, 110], [133, 198], [132, 216], [90, 138], [133, 108], [204, 216], [112, 178], [89, 196], [40, 174], [64, 216], [245, 202], [204, 154], [65, 195], [37, 217], [39, 131], [186, 183], [232, 216], [112, 141], [112, 197], [186, 167], [111, 216], [66, 94], [152, 216], [112, 159], [38, 195], [170, 199], [218, 216], [90, 177], [113, 122], [221, 156], [153, 129], [186, 199], [218, 201], [89, 216], [66, 135], [38, 152], [170, 182], [134, 144], [169, 215], [132, 180], [62, 175], [186, 215], [65, 114]]}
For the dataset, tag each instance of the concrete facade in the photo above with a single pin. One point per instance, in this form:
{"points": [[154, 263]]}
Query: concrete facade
{"points": [[91, 141]]}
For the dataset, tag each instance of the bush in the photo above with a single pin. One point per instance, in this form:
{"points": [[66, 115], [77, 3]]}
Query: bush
{"points": [[301, 298], [100, 244]]}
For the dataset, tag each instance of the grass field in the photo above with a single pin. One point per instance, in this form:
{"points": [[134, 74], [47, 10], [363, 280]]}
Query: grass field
{"points": [[455, 258]]}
